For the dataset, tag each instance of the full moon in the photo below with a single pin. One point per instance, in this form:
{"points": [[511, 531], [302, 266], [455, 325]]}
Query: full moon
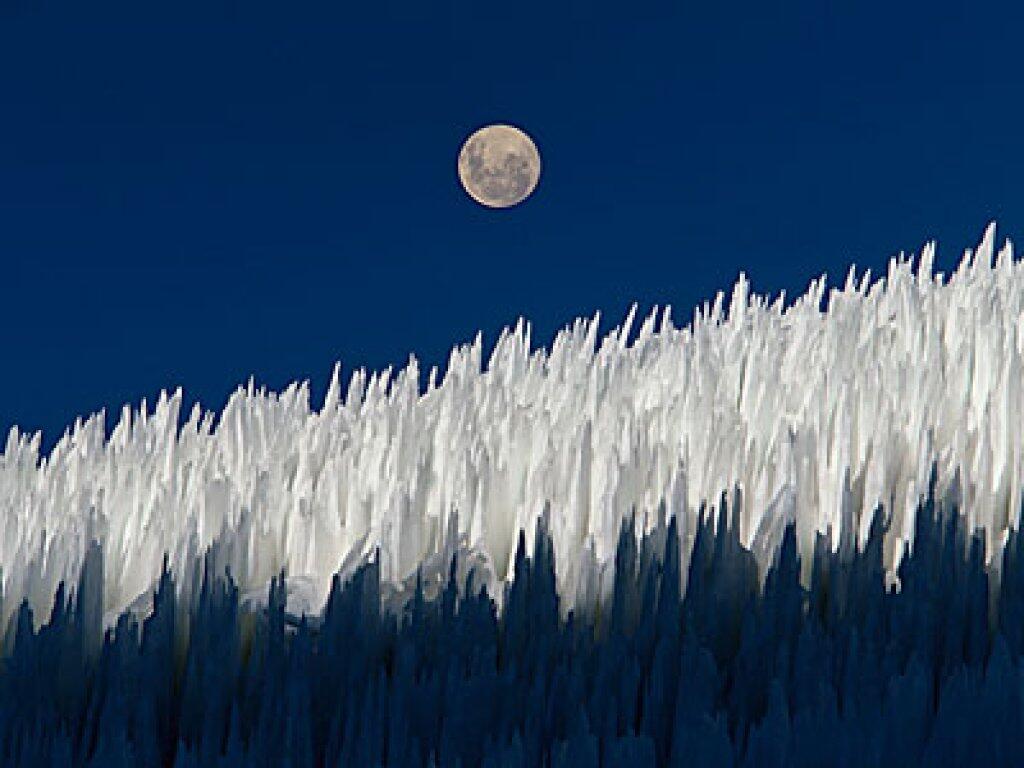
{"points": [[499, 166]]}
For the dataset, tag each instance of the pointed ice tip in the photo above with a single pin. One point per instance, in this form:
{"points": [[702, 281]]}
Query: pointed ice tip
{"points": [[12, 439], [986, 248], [333, 396], [926, 262], [627, 326], [851, 276], [666, 319]]}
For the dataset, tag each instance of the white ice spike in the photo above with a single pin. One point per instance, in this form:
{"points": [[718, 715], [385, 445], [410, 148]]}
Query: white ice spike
{"points": [[816, 415]]}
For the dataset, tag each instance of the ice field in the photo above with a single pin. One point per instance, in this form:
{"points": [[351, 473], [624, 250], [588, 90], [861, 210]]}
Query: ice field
{"points": [[816, 416]]}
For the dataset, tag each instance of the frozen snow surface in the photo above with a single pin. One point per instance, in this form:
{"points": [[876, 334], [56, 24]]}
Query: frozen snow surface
{"points": [[817, 416]]}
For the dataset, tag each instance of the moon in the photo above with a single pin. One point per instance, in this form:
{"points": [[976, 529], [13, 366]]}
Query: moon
{"points": [[499, 166]]}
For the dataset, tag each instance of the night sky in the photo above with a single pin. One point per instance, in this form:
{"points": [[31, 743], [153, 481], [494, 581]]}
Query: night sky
{"points": [[193, 194]]}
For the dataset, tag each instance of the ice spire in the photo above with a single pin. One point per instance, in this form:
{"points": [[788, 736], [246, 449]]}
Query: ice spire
{"points": [[816, 414]]}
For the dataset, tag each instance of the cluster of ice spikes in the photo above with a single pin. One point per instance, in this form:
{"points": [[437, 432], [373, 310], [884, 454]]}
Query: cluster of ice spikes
{"points": [[816, 416]]}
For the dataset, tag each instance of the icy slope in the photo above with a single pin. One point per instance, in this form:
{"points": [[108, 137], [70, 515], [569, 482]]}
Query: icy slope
{"points": [[785, 402]]}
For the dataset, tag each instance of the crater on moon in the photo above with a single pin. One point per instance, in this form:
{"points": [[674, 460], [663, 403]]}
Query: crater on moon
{"points": [[499, 166]]}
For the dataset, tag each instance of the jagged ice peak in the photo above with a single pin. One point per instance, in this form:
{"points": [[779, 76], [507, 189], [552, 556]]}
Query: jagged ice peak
{"points": [[816, 416]]}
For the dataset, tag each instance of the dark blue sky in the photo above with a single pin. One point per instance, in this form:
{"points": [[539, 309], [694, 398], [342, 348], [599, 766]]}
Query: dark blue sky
{"points": [[195, 197]]}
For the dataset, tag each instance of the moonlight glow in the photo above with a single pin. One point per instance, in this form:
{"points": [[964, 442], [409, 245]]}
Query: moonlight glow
{"points": [[499, 166]]}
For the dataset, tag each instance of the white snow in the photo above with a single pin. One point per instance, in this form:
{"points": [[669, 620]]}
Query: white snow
{"points": [[783, 401]]}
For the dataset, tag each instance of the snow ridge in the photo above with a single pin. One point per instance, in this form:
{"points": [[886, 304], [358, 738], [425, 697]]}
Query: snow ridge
{"points": [[815, 416]]}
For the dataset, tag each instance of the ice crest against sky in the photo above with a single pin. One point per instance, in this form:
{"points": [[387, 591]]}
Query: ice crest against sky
{"points": [[817, 416]]}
